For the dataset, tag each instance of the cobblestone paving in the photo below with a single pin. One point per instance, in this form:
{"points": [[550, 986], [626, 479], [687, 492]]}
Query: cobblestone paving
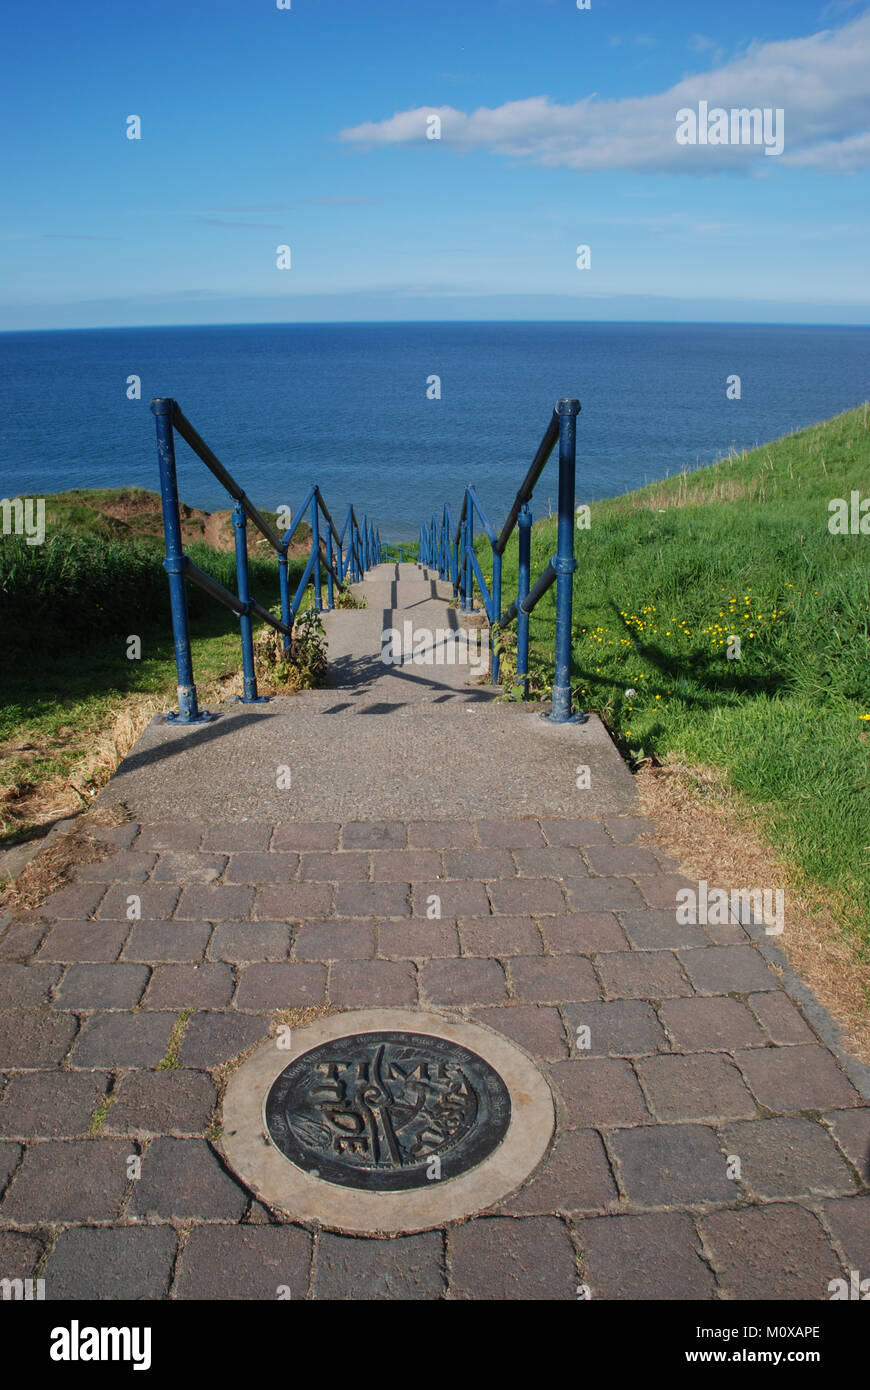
{"points": [[113, 1033]]}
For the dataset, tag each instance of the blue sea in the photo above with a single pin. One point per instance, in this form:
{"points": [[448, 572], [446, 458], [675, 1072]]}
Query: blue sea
{"points": [[346, 405]]}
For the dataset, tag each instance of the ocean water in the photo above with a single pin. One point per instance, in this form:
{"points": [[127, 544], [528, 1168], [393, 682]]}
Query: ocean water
{"points": [[346, 405]]}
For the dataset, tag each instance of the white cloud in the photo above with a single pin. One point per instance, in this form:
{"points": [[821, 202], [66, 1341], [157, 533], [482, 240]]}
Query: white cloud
{"points": [[819, 81]]}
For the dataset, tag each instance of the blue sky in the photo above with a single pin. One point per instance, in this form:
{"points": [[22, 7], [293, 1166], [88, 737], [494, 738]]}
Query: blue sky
{"points": [[306, 127]]}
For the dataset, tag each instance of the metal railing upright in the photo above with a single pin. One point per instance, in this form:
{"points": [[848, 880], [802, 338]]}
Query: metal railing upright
{"points": [[451, 551], [348, 554]]}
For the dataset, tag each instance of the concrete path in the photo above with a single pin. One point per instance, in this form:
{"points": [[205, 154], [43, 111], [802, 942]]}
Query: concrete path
{"points": [[712, 1142]]}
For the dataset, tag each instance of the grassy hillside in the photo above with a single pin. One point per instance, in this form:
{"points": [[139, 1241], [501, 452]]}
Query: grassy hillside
{"points": [[669, 574]]}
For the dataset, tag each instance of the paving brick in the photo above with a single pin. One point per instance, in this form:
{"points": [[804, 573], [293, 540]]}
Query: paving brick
{"points": [[524, 897], [371, 983], [464, 981], [849, 1219], [534, 1026], [702, 1086], [76, 1180], [245, 1262], [174, 1101], [852, 1132], [501, 936], [156, 901], [781, 1018], [440, 834], [34, 1040], [176, 835], [115, 1262], [458, 898], [728, 970], [497, 1258], [644, 1257], [553, 979], [654, 929], [796, 1078], [126, 866], [376, 900], [710, 1024], [117, 985], [602, 894], [672, 1166], [121, 836], [406, 865], [478, 864], [215, 903], [598, 1092], [621, 859], [619, 1028], [787, 1158], [250, 941], [336, 939], [771, 1252], [375, 835], [318, 835], [174, 942], [584, 933], [574, 1177], [189, 867], [123, 1040], [190, 986], [51, 1104], [10, 1156], [574, 832], [510, 834], [24, 986], [643, 975], [660, 890], [244, 835], [214, 1037], [182, 1180], [294, 901], [406, 1268], [550, 861], [84, 941], [417, 938], [348, 866], [74, 900], [281, 985], [21, 939], [625, 829], [19, 1254]]}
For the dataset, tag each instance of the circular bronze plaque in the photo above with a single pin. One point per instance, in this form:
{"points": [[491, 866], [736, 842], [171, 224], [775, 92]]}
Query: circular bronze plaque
{"points": [[388, 1111]]}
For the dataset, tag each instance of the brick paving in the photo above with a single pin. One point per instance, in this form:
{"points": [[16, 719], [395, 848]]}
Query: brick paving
{"points": [[112, 1186], [712, 1141]]}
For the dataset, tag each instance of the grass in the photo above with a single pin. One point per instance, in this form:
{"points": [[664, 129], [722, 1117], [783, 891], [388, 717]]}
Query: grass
{"points": [[667, 575]]}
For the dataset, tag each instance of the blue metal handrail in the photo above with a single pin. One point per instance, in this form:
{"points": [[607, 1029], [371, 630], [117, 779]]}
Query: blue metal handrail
{"points": [[362, 551], [451, 551]]}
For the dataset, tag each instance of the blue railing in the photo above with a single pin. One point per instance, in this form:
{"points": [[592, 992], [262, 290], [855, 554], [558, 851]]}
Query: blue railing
{"points": [[344, 555], [451, 551], [397, 554]]}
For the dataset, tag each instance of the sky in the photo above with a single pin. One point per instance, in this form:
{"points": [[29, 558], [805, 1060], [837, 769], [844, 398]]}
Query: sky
{"points": [[306, 127]]}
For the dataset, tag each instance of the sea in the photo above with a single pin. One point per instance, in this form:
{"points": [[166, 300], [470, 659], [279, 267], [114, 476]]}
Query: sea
{"points": [[397, 417]]}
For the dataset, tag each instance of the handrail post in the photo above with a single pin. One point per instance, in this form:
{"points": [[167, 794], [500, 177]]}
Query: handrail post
{"points": [[284, 585], [315, 550], [496, 613], [524, 522], [468, 597], [563, 561], [249, 677], [330, 557], [174, 564]]}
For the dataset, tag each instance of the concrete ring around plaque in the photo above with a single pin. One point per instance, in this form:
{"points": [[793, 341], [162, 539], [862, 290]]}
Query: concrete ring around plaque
{"points": [[378, 1121]]}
